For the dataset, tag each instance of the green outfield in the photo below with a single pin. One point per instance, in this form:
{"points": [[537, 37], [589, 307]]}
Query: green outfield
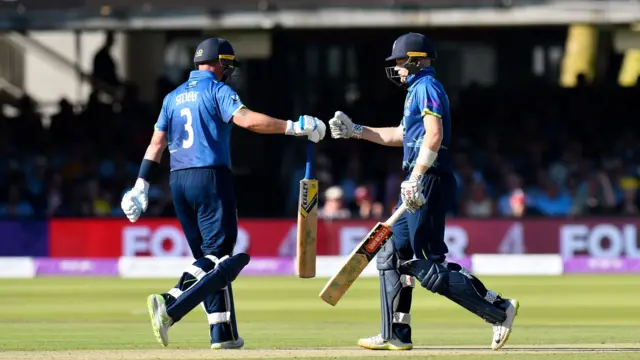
{"points": [[569, 317]]}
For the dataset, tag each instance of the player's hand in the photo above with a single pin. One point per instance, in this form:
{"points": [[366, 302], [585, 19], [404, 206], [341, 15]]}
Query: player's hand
{"points": [[343, 128], [135, 201], [411, 193], [319, 132], [311, 127]]}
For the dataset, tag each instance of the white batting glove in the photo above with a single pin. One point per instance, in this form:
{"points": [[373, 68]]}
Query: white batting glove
{"points": [[311, 127], [135, 201], [411, 193], [343, 128]]}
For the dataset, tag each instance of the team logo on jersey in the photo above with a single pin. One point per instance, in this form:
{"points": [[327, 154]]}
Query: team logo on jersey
{"points": [[191, 84], [235, 98], [431, 103]]}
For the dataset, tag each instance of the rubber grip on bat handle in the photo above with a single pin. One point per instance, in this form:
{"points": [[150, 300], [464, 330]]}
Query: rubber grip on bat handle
{"points": [[309, 170], [396, 215]]}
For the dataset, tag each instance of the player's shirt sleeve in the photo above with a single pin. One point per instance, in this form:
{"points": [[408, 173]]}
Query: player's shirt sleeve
{"points": [[428, 98], [163, 119], [228, 102]]}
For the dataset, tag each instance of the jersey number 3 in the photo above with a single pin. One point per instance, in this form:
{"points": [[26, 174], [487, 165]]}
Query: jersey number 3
{"points": [[188, 142]]}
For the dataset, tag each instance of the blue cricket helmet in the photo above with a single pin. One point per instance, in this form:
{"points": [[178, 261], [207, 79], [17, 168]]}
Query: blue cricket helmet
{"points": [[410, 46], [217, 50]]}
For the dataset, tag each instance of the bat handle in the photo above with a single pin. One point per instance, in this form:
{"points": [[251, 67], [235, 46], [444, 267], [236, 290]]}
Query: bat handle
{"points": [[396, 215], [309, 171]]}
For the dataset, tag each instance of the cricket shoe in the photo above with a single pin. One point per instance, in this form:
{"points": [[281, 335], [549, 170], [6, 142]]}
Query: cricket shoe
{"points": [[160, 321], [378, 343], [502, 331], [231, 344]]}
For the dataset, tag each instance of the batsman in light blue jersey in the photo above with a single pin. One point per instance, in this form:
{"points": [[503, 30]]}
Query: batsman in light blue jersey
{"points": [[417, 248], [195, 124]]}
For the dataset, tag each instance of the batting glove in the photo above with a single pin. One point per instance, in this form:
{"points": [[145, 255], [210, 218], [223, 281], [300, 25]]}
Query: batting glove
{"points": [[411, 193], [135, 201], [311, 127], [343, 128]]}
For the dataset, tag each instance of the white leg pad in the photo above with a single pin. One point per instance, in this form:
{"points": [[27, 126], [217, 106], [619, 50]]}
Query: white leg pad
{"points": [[216, 260], [219, 317], [196, 272], [407, 281], [175, 292], [401, 318]]}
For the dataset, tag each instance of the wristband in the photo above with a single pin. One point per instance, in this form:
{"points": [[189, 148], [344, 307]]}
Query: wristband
{"points": [[357, 131], [426, 156], [148, 170], [290, 130]]}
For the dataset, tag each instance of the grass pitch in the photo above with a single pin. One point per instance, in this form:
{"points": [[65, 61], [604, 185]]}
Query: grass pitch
{"points": [[569, 317]]}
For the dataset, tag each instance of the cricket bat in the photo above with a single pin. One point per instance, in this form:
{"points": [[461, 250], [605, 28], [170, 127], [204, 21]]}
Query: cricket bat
{"points": [[307, 220], [359, 259]]}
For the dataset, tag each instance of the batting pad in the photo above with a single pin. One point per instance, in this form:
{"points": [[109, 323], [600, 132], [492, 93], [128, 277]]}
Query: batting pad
{"points": [[221, 315], [205, 276]]}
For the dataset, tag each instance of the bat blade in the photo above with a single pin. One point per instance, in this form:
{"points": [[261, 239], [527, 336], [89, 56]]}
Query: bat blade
{"points": [[358, 260], [307, 229]]}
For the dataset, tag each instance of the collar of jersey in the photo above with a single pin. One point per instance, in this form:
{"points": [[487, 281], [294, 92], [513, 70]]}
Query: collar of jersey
{"points": [[412, 79], [202, 74]]}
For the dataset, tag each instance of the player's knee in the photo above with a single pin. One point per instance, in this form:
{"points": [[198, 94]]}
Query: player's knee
{"points": [[457, 268], [437, 278], [406, 280], [204, 264], [387, 258], [433, 276]]}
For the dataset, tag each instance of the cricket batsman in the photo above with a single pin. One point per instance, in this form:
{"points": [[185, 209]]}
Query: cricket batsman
{"points": [[428, 192], [195, 123]]}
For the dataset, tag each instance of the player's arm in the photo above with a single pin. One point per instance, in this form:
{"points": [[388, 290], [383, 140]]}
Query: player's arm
{"points": [[258, 122], [387, 136], [430, 143], [342, 127], [153, 155], [135, 201], [232, 109]]}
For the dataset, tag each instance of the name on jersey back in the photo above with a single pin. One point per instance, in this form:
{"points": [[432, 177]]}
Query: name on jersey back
{"points": [[191, 96]]}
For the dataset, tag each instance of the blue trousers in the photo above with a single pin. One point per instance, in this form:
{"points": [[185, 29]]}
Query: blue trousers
{"points": [[205, 204], [422, 233]]}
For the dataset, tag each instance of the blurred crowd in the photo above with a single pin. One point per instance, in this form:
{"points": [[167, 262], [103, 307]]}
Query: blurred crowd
{"points": [[530, 150]]}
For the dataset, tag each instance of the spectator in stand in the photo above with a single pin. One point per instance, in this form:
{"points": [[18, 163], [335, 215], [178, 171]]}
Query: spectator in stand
{"points": [[553, 200], [104, 68], [478, 204], [351, 178], [630, 204], [595, 196], [16, 206], [55, 197], [367, 208], [99, 199], [334, 205], [518, 203], [513, 182]]}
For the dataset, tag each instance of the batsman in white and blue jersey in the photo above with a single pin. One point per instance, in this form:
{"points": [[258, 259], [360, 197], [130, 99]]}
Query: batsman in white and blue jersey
{"points": [[195, 124], [417, 248]]}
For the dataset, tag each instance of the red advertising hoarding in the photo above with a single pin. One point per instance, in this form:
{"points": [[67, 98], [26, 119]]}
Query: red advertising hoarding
{"points": [[163, 237]]}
